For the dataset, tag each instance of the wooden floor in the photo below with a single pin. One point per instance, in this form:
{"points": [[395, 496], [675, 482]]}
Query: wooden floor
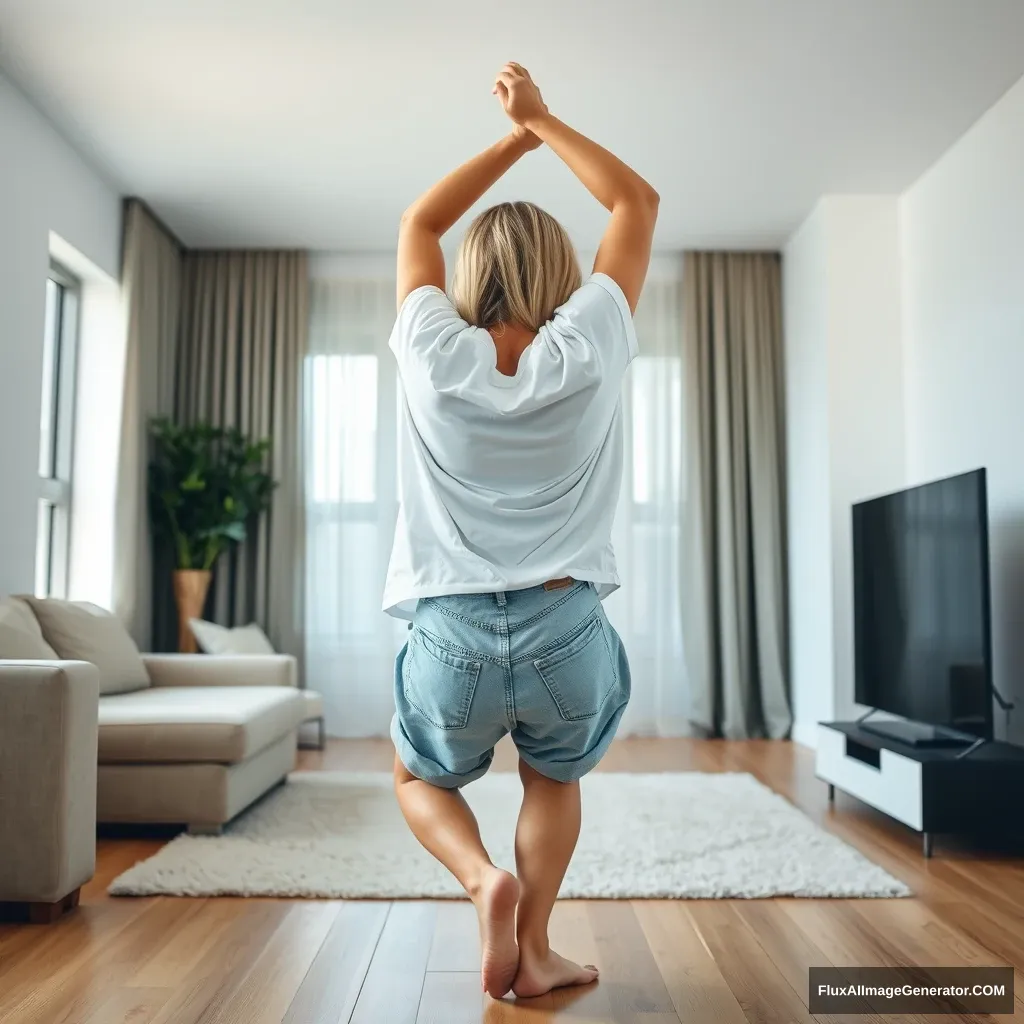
{"points": [[261, 961]]}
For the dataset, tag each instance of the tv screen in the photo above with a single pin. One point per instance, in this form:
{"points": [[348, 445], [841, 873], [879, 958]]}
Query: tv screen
{"points": [[921, 604]]}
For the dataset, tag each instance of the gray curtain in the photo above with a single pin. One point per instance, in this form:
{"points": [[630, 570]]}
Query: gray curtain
{"points": [[151, 283], [244, 326], [734, 586]]}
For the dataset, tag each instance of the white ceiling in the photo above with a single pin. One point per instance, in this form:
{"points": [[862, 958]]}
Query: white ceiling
{"points": [[315, 122]]}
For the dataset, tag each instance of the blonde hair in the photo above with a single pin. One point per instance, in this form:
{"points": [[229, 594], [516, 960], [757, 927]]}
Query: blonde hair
{"points": [[515, 265]]}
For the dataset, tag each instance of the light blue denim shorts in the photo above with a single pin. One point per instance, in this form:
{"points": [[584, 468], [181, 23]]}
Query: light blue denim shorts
{"points": [[543, 665]]}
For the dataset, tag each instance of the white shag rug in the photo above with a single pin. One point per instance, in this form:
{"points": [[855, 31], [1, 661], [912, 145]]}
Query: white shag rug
{"points": [[683, 835]]}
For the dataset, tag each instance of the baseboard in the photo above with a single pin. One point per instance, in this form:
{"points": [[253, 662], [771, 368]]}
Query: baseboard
{"points": [[805, 733]]}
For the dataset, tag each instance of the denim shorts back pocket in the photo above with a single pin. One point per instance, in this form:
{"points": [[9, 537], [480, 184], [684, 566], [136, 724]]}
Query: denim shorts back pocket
{"points": [[580, 674], [437, 683]]}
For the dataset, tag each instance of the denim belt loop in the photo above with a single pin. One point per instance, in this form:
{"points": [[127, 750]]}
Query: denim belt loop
{"points": [[499, 596]]}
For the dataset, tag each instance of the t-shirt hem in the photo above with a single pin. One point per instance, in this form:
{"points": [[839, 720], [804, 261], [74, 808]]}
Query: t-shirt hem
{"points": [[395, 605]]}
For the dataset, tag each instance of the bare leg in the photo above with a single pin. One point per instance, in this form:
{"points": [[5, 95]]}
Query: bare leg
{"points": [[442, 821], [549, 825]]}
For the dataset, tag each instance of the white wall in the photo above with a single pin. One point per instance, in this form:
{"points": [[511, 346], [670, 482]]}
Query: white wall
{"points": [[44, 186], [866, 399], [845, 427], [963, 267], [805, 310]]}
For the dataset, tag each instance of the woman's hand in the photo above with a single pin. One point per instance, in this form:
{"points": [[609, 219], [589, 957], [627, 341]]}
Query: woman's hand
{"points": [[519, 95]]}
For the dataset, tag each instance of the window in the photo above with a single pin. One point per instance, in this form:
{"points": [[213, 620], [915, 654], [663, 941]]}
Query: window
{"points": [[341, 494], [55, 433]]}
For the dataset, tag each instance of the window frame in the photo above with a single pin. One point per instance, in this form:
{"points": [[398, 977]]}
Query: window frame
{"points": [[55, 492]]}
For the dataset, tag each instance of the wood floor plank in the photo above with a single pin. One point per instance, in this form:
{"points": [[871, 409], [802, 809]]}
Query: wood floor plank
{"points": [[135, 1005], [75, 988], [820, 922], [922, 937], [455, 945], [629, 973], [694, 981], [456, 997], [331, 986], [999, 878], [793, 954], [451, 997], [761, 990], [265, 993], [207, 987], [188, 945], [999, 933], [80, 934], [390, 993]]}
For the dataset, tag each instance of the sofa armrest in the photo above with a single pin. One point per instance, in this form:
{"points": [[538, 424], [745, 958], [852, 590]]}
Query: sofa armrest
{"points": [[48, 755], [221, 669]]}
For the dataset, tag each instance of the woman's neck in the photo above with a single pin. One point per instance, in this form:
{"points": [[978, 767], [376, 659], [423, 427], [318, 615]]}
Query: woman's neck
{"points": [[510, 342]]}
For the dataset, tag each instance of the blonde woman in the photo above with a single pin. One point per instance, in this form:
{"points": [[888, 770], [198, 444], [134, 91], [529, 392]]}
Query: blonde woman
{"points": [[510, 463]]}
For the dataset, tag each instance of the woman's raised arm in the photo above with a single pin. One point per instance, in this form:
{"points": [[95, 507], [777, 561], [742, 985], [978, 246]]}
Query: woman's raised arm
{"points": [[625, 250], [420, 260]]}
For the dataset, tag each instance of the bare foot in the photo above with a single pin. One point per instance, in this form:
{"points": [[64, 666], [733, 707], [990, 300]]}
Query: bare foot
{"points": [[499, 954], [535, 977]]}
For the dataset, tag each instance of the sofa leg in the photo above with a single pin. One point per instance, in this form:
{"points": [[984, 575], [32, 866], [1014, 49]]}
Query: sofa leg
{"points": [[321, 735], [47, 913], [206, 830]]}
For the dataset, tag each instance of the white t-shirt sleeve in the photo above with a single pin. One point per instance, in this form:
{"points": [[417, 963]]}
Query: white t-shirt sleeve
{"points": [[427, 325], [598, 312]]}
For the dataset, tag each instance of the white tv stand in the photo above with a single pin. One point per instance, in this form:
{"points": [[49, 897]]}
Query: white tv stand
{"points": [[930, 789]]}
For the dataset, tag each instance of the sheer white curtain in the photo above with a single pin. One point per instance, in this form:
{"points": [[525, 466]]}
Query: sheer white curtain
{"points": [[350, 414], [645, 610]]}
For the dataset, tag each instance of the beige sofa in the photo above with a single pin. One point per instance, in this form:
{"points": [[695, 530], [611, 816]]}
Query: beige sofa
{"points": [[48, 713], [179, 739], [207, 737]]}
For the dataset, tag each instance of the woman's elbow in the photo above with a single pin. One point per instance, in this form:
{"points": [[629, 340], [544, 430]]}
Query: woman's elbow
{"points": [[642, 198], [414, 217]]}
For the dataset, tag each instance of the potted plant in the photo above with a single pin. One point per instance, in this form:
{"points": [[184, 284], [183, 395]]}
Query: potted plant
{"points": [[206, 486]]}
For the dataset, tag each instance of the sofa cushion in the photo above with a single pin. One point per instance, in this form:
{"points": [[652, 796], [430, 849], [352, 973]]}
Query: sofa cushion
{"points": [[222, 724], [20, 635], [79, 631], [216, 639]]}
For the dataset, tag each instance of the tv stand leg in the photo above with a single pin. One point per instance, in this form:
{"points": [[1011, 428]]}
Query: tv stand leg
{"points": [[926, 844], [831, 793]]}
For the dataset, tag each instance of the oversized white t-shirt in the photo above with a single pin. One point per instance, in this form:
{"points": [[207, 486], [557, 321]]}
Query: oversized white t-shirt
{"points": [[505, 482]]}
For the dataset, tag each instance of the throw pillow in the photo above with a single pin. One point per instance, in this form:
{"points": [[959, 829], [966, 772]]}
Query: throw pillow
{"points": [[21, 639], [214, 639], [80, 631]]}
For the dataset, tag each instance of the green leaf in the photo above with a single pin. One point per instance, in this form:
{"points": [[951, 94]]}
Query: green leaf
{"points": [[235, 531]]}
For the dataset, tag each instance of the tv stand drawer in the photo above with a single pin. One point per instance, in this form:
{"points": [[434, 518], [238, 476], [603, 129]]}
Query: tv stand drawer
{"points": [[881, 778], [871, 756]]}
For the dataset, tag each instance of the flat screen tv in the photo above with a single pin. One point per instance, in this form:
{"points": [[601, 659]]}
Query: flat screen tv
{"points": [[922, 644]]}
